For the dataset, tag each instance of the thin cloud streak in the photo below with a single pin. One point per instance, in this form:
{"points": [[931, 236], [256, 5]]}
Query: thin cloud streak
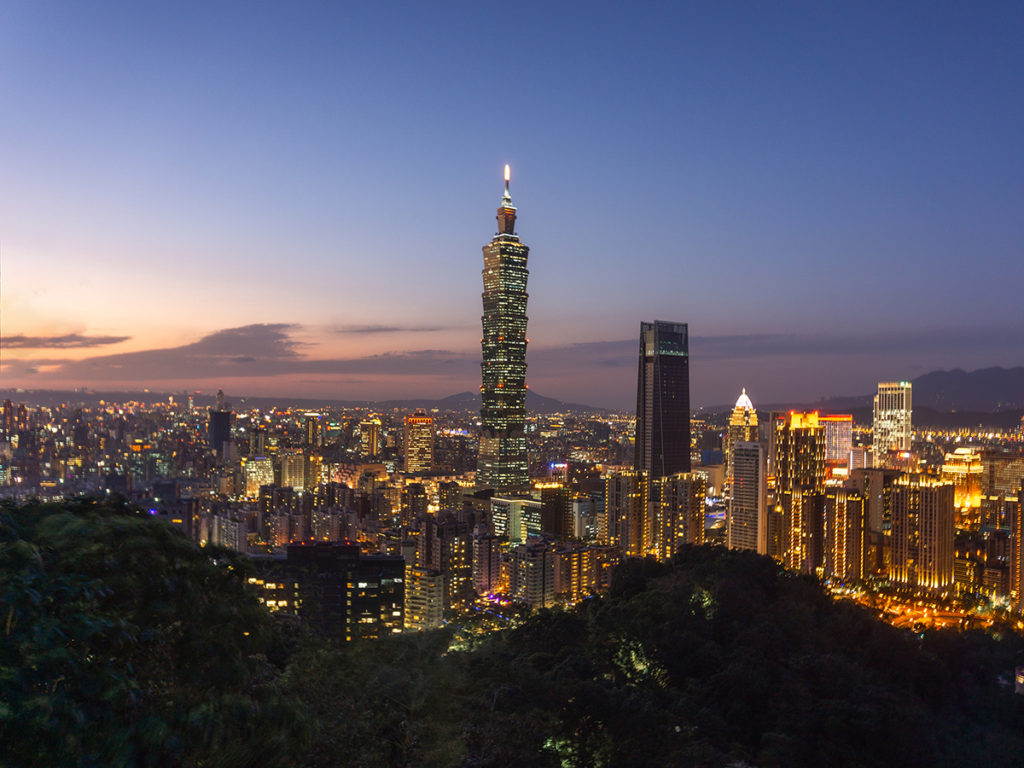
{"points": [[66, 341], [374, 329]]}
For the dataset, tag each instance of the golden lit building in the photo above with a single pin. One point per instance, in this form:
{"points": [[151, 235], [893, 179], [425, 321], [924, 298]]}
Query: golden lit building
{"points": [[797, 448], [742, 428], [369, 437], [678, 503], [838, 438], [419, 443], [626, 494], [922, 532], [963, 468], [845, 533]]}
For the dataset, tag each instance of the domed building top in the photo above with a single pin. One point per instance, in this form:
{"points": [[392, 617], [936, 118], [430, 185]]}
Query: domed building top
{"points": [[744, 401]]}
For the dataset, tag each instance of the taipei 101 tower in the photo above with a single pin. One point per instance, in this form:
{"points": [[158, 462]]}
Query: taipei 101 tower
{"points": [[501, 462]]}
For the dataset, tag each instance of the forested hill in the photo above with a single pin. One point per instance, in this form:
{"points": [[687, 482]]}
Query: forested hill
{"points": [[124, 645]]}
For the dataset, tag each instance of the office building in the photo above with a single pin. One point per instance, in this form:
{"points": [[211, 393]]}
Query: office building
{"points": [[486, 562], [799, 462], [370, 437], [845, 534], [625, 507], [556, 511], [501, 461], [677, 505], [311, 429], [662, 445], [418, 443], [532, 573], [742, 428], [334, 589], [963, 468], [748, 505], [922, 533], [892, 420], [838, 438]]}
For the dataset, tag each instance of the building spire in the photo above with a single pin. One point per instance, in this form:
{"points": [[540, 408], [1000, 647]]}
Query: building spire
{"points": [[506, 211]]}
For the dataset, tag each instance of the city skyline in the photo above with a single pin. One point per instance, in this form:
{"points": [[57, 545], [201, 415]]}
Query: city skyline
{"points": [[216, 207]]}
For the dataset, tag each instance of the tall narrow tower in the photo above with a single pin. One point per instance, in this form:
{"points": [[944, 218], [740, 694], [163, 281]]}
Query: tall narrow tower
{"points": [[501, 463], [663, 400]]}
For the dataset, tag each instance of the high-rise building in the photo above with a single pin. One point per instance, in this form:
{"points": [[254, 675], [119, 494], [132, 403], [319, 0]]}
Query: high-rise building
{"points": [[424, 599], [845, 534], [556, 510], [742, 428], [892, 419], [799, 465], [922, 532], [1017, 551], [838, 438], [419, 443], [625, 505], [336, 589], [501, 462], [663, 400], [219, 430], [486, 562], [415, 503], [369, 437], [312, 430], [532, 574], [258, 471], [963, 468], [677, 506], [748, 506]]}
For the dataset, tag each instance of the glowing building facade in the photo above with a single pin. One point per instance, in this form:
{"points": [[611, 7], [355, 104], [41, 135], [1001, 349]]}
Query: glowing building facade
{"points": [[742, 429], [892, 419], [748, 505], [419, 443], [922, 533], [501, 462]]}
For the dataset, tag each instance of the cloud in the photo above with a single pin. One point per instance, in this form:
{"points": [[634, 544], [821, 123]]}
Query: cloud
{"points": [[262, 350], [67, 341], [372, 329]]}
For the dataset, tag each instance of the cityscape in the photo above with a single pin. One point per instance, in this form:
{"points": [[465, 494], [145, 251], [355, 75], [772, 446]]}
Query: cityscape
{"points": [[245, 525]]}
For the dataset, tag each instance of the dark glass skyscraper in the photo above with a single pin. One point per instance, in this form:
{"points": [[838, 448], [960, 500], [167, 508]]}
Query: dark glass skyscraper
{"points": [[663, 399], [501, 463]]}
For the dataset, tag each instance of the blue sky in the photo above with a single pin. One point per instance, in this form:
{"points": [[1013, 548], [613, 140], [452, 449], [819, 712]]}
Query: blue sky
{"points": [[309, 184]]}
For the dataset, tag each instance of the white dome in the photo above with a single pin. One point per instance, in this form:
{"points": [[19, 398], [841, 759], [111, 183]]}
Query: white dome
{"points": [[744, 401]]}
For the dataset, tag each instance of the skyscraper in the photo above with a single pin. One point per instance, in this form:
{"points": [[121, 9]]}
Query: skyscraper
{"points": [[663, 400], [742, 429], [748, 510], [501, 462], [419, 442], [799, 467], [892, 428], [922, 532]]}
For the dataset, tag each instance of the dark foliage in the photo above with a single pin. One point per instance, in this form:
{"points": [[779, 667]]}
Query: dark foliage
{"points": [[123, 644]]}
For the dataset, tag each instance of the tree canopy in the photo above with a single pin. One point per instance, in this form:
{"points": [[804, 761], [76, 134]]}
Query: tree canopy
{"points": [[124, 644]]}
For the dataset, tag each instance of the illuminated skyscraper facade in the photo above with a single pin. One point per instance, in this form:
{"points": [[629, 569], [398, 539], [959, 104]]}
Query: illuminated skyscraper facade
{"points": [[922, 532], [892, 419], [742, 429], [748, 505], [663, 400], [419, 443], [501, 462]]}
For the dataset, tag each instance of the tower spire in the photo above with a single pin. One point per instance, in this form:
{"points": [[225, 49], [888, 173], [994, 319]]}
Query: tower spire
{"points": [[506, 211]]}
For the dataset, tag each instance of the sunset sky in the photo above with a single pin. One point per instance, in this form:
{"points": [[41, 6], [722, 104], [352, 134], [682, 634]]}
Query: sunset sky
{"points": [[290, 198]]}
